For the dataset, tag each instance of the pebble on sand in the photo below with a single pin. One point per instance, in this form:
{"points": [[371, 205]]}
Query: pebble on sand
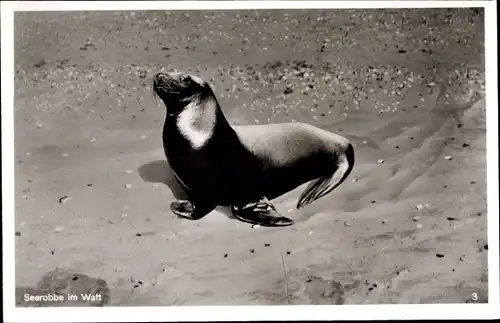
{"points": [[448, 157], [128, 171], [64, 199], [255, 226], [347, 224], [128, 185], [354, 180], [380, 161], [419, 207], [59, 228], [419, 226], [416, 218]]}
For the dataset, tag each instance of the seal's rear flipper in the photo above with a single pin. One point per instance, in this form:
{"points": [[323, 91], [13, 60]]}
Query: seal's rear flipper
{"points": [[326, 184], [262, 213], [186, 209]]}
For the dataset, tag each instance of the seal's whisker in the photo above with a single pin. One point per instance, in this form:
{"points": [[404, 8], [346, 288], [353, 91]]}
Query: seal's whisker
{"points": [[155, 95]]}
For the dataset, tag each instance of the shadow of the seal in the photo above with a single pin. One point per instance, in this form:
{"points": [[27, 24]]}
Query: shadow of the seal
{"points": [[159, 171]]}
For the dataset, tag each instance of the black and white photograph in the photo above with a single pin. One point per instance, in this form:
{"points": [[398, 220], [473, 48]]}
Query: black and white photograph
{"points": [[296, 157]]}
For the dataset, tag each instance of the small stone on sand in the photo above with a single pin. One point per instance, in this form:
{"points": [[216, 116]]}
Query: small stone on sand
{"points": [[416, 218], [380, 161], [128, 185], [419, 226], [354, 180], [59, 228], [419, 207], [64, 199], [448, 157], [255, 226], [347, 224]]}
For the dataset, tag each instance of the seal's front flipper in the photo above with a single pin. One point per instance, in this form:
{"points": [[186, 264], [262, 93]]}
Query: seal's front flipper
{"points": [[186, 209], [262, 213]]}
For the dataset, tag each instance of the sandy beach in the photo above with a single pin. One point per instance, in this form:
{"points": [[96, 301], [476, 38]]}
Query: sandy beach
{"points": [[93, 188]]}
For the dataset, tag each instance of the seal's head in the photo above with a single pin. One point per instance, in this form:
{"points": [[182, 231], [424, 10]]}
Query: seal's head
{"points": [[191, 103], [177, 90]]}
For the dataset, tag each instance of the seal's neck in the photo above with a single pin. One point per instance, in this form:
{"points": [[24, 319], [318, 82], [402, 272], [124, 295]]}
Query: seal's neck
{"points": [[197, 121]]}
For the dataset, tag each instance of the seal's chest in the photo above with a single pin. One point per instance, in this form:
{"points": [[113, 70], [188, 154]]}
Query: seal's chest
{"points": [[196, 124]]}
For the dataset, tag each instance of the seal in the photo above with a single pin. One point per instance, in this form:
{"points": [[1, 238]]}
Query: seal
{"points": [[243, 167]]}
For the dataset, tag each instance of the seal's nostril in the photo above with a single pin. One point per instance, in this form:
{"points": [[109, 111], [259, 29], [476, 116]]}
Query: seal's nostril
{"points": [[158, 77]]}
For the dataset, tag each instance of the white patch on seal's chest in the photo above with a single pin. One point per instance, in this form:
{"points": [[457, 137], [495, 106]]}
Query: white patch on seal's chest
{"points": [[196, 123]]}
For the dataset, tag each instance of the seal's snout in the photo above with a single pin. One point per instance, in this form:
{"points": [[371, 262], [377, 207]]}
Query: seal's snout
{"points": [[160, 78]]}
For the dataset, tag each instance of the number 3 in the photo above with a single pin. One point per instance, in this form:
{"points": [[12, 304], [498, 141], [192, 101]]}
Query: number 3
{"points": [[474, 296]]}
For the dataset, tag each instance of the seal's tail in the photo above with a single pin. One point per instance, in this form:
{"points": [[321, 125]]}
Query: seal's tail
{"points": [[326, 184]]}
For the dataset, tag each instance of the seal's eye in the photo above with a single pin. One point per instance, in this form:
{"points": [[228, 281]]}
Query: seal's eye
{"points": [[185, 79]]}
